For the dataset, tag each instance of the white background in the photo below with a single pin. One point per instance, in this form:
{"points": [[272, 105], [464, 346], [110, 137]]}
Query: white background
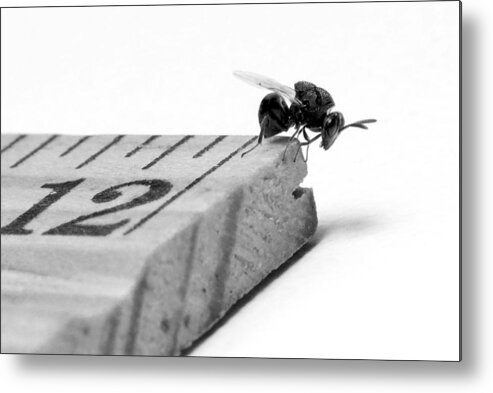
{"points": [[385, 265]]}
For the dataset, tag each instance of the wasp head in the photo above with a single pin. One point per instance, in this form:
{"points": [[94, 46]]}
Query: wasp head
{"points": [[334, 124]]}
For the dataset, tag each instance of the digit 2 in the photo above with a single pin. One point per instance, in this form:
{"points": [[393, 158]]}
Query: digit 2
{"points": [[157, 189]]}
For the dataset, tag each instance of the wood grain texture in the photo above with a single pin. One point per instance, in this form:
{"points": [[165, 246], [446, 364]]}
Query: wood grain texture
{"points": [[137, 245]]}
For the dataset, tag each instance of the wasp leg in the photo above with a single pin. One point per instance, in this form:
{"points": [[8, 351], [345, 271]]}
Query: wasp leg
{"points": [[260, 137], [298, 151], [305, 135], [306, 154], [295, 134], [307, 144]]}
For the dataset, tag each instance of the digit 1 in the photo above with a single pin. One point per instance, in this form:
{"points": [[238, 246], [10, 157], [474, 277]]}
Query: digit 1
{"points": [[17, 227]]}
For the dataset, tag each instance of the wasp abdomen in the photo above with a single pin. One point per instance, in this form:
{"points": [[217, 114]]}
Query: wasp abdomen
{"points": [[274, 115]]}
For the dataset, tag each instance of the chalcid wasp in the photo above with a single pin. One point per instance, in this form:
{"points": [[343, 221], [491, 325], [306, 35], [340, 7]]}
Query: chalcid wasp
{"points": [[310, 108]]}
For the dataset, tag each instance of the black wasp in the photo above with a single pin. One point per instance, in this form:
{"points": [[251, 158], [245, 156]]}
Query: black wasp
{"points": [[310, 108]]}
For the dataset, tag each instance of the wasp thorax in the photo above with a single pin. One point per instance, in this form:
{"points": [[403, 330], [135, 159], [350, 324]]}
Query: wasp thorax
{"points": [[315, 101]]}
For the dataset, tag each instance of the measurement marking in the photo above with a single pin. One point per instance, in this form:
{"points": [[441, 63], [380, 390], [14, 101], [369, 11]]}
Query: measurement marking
{"points": [[136, 312], [146, 142], [168, 151], [192, 184], [209, 146], [32, 153], [227, 243], [178, 317], [97, 154], [113, 324], [19, 138], [75, 145]]}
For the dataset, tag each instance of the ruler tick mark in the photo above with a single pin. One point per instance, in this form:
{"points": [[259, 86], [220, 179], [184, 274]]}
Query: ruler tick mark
{"points": [[33, 152], [18, 139], [136, 313], [75, 145], [189, 186], [101, 151], [209, 146], [145, 143], [168, 151]]}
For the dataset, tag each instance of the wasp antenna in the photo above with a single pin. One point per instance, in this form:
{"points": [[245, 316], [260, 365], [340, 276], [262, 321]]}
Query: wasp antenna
{"points": [[360, 124]]}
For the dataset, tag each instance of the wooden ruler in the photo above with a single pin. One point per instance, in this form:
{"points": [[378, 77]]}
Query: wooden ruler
{"points": [[132, 244]]}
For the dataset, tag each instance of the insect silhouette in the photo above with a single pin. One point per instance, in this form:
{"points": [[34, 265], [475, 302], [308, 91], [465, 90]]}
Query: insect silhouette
{"points": [[310, 108]]}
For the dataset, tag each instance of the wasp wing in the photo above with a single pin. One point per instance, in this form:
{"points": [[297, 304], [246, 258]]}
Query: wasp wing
{"points": [[267, 83]]}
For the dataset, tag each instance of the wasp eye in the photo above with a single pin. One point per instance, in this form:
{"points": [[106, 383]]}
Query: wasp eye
{"points": [[331, 128]]}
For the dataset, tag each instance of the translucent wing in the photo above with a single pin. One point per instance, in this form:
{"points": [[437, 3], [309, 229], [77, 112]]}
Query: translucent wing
{"points": [[267, 83]]}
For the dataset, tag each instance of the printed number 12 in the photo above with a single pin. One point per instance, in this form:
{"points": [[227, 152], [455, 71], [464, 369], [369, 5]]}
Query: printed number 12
{"points": [[157, 189]]}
